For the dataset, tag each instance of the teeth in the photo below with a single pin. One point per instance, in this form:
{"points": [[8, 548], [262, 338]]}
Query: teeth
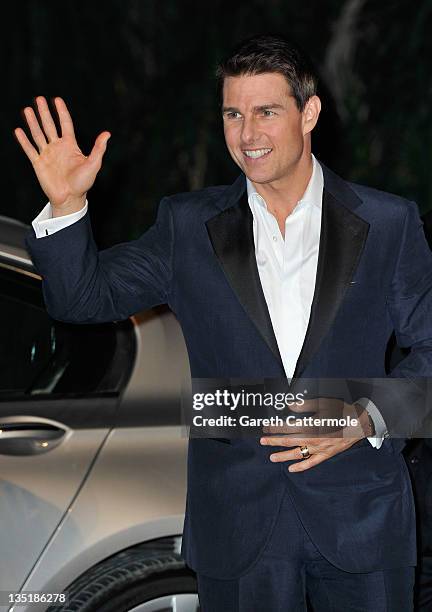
{"points": [[256, 153]]}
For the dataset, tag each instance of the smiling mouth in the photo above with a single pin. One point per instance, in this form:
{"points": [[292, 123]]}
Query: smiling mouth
{"points": [[256, 153]]}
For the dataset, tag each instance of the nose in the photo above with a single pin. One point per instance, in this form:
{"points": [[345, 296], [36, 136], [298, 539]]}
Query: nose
{"points": [[250, 133]]}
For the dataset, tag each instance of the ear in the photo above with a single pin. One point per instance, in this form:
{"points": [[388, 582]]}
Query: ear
{"points": [[310, 114]]}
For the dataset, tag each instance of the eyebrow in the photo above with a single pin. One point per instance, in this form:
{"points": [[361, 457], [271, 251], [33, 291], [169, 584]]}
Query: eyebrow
{"points": [[231, 109]]}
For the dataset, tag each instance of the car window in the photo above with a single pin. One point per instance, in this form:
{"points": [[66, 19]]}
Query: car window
{"points": [[41, 356]]}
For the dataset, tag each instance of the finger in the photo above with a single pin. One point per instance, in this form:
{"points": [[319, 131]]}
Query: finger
{"points": [[293, 431], [66, 123], [320, 405], [297, 441], [290, 455], [306, 464], [46, 118], [326, 447], [301, 408], [283, 441], [284, 429], [310, 405], [99, 148], [35, 129], [26, 145]]}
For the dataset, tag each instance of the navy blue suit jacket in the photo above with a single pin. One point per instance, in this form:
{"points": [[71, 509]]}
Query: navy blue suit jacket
{"points": [[374, 276]]}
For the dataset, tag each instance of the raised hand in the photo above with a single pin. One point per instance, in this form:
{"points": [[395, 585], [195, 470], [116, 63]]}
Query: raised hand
{"points": [[64, 172]]}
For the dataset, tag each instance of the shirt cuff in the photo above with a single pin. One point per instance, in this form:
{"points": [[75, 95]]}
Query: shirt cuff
{"points": [[381, 431], [45, 224]]}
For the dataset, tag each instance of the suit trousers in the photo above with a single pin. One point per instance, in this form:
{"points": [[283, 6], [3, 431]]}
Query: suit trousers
{"points": [[291, 575]]}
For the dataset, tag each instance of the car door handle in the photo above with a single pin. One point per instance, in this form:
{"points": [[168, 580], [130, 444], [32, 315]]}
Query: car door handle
{"points": [[22, 436]]}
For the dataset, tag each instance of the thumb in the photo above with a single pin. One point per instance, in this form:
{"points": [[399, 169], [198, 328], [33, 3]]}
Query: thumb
{"points": [[99, 148]]}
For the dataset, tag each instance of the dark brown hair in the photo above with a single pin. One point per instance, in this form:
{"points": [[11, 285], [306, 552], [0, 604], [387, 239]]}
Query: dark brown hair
{"points": [[266, 53]]}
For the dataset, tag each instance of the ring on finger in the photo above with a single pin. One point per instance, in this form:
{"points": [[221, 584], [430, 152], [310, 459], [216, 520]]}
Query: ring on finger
{"points": [[304, 452]]}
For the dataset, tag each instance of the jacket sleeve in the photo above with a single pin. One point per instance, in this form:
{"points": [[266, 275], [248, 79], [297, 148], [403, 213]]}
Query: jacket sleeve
{"points": [[83, 285], [404, 397]]}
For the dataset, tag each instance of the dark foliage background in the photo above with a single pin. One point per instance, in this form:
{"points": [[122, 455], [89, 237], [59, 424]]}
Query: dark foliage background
{"points": [[143, 69]]}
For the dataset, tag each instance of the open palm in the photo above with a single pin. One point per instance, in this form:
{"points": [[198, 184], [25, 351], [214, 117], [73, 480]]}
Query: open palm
{"points": [[64, 172]]}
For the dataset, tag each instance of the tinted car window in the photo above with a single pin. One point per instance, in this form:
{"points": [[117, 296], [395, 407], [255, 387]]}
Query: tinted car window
{"points": [[41, 356]]}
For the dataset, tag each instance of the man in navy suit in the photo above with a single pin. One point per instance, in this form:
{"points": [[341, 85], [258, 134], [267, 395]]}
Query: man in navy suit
{"points": [[291, 272]]}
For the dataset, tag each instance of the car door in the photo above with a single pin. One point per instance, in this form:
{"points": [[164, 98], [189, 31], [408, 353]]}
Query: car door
{"points": [[59, 389]]}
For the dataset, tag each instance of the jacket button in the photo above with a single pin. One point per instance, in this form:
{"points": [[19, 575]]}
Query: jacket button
{"points": [[414, 459]]}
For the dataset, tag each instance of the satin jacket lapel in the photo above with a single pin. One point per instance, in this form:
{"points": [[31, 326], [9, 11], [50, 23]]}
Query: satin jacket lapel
{"points": [[343, 236], [231, 234]]}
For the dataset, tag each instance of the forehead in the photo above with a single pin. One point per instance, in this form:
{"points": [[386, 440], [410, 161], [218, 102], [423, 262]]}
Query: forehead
{"points": [[255, 89]]}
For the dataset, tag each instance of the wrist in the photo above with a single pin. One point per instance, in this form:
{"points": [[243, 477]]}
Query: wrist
{"points": [[366, 423], [68, 207]]}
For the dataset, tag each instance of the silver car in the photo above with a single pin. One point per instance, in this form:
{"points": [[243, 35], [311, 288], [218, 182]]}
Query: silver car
{"points": [[92, 455]]}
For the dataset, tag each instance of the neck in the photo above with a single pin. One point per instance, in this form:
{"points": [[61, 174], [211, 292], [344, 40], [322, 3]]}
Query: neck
{"points": [[283, 195]]}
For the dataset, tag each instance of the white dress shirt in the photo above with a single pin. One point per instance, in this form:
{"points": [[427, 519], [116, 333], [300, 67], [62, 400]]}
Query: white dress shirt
{"points": [[287, 269]]}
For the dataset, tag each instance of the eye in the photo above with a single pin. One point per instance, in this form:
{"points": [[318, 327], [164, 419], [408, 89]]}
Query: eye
{"points": [[268, 113], [232, 115]]}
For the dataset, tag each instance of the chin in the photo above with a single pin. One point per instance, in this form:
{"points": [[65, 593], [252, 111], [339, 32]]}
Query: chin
{"points": [[260, 178]]}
